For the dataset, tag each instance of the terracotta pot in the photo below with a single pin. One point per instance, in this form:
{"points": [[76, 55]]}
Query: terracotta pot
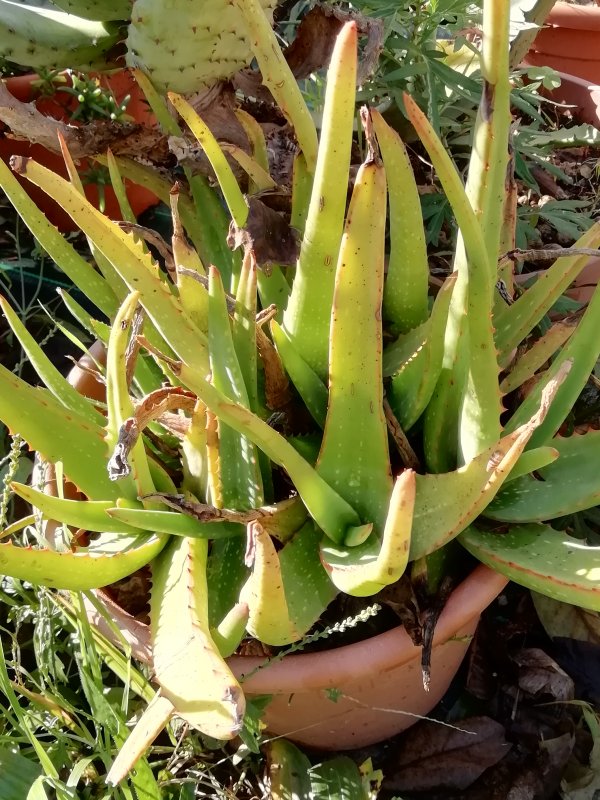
{"points": [[569, 41], [59, 106], [377, 682]]}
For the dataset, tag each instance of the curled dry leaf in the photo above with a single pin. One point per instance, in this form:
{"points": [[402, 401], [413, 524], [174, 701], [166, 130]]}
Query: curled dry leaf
{"points": [[267, 235], [540, 675]]}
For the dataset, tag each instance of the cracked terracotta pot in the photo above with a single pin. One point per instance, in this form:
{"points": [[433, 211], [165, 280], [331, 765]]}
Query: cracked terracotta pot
{"points": [[350, 696]]}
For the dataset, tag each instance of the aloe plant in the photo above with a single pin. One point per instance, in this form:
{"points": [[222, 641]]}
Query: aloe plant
{"points": [[199, 357]]}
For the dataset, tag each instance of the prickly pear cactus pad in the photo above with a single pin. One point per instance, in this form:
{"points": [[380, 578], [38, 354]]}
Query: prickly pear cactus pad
{"points": [[185, 45]]}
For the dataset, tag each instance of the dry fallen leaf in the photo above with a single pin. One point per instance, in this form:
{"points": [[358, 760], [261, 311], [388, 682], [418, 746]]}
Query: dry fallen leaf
{"points": [[540, 675], [438, 757]]}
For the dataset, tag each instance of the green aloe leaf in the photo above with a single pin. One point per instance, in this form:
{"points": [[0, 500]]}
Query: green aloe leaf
{"points": [[413, 383], [516, 321], [543, 559], [105, 561], [88, 515], [60, 387], [354, 457], [570, 484], [57, 434], [307, 316], [172, 523], [538, 354], [380, 561], [62, 252], [310, 387], [405, 302], [469, 382], [241, 483], [119, 404], [269, 618], [446, 504], [579, 355], [129, 258]]}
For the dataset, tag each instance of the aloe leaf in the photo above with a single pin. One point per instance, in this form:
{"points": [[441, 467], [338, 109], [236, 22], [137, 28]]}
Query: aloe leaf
{"points": [[105, 561], [543, 559], [154, 718], [58, 434], [75, 267], [243, 329], [309, 385], [187, 664], [118, 187], [412, 385], [307, 316], [489, 155], [274, 289], [259, 178], [171, 522], [157, 103], [302, 181], [194, 454], [256, 137], [99, 330], [405, 302], [516, 321], [133, 264], [120, 405], [214, 226], [569, 484], [111, 276], [480, 397], [367, 569], [308, 589], [240, 475], [446, 504], [581, 352], [442, 416], [332, 513], [538, 354], [278, 77], [231, 630], [264, 592], [88, 515], [47, 372], [238, 208], [192, 291], [354, 457], [532, 460], [226, 574]]}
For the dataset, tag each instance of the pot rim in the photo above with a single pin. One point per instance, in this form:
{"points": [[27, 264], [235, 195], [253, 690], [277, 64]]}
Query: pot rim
{"points": [[327, 668], [370, 656]]}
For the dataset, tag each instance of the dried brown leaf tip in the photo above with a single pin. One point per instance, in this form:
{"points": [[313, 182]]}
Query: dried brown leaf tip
{"points": [[267, 235]]}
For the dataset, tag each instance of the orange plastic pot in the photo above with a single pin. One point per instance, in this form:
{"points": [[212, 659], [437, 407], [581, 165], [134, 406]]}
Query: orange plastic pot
{"points": [[570, 41], [59, 106]]}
